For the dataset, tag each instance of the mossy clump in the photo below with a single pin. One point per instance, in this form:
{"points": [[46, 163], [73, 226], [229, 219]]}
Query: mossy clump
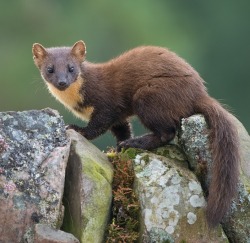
{"points": [[124, 226]]}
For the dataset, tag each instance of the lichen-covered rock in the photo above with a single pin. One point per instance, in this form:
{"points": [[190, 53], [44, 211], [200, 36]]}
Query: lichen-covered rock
{"points": [[194, 141], [172, 201], [45, 234], [33, 155], [88, 192]]}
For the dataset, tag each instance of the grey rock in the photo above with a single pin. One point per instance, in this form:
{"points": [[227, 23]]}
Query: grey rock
{"points": [[88, 191], [171, 199], [33, 155]]}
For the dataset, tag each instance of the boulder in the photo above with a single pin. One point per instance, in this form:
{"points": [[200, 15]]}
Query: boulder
{"points": [[171, 199], [88, 190], [194, 141], [34, 151]]}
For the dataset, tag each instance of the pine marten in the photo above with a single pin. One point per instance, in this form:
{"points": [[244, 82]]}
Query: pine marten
{"points": [[156, 85]]}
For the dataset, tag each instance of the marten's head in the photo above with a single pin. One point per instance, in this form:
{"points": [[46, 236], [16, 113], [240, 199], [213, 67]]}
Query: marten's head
{"points": [[59, 66]]}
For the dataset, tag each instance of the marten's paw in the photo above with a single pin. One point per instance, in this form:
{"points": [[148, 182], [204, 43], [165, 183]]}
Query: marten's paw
{"points": [[74, 127], [147, 142], [130, 143], [71, 126]]}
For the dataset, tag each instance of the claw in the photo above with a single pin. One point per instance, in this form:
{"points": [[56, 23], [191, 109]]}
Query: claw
{"points": [[125, 145], [67, 127], [122, 145], [74, 127]]}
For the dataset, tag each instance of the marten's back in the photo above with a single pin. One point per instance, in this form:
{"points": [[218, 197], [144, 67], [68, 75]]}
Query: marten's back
{"points": [[154, 67], [149, 64]]}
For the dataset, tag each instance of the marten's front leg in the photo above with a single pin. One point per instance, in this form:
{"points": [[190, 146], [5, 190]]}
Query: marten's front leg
{"points": [[99, 123]]}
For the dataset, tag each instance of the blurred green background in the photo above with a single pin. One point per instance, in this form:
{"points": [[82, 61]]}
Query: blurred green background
{"points": [[213, 36]]}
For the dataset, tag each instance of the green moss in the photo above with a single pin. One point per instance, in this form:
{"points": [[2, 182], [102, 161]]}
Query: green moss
{"points": [[94, 170], [146, 158], [171, 151], [130, 153], [100, 190]]}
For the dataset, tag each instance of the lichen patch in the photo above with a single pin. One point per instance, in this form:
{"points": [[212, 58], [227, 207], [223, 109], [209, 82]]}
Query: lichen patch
{"points": [[191, 218]]}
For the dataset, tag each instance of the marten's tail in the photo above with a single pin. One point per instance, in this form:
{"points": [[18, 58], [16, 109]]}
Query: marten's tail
{"points": [[224, 146]]}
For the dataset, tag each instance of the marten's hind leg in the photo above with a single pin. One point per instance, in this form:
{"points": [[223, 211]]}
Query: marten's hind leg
{"points": [[155, 116]]}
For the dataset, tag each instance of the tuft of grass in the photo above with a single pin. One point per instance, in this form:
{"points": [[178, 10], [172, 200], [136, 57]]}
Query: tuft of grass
{"points": [[124, 226]]}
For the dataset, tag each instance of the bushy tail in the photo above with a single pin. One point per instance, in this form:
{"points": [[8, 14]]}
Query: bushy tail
{"points": [[224, 146]]}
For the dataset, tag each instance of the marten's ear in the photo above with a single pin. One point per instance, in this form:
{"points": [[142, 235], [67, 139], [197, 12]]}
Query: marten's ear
{"points": [[39, 53], [79, 50]]}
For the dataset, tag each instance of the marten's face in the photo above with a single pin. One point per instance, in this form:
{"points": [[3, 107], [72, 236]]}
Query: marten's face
{"points": [[59, 66]]}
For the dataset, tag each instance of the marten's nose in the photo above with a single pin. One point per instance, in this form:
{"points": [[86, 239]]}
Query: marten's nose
{"points": [[62, 83]]}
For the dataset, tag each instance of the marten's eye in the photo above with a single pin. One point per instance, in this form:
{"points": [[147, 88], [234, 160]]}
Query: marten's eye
{"points": [[50, 69], [71, 69]]}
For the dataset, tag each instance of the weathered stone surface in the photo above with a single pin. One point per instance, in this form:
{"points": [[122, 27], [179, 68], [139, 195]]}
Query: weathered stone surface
{"points": [[194, 141], [171, 199], [46, 234], [244, 148], [33, 155], [237, 226], [34, 150], [88, 191]]}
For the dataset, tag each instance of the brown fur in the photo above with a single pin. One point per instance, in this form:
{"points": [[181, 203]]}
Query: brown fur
{"points": [[157, 86]]}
